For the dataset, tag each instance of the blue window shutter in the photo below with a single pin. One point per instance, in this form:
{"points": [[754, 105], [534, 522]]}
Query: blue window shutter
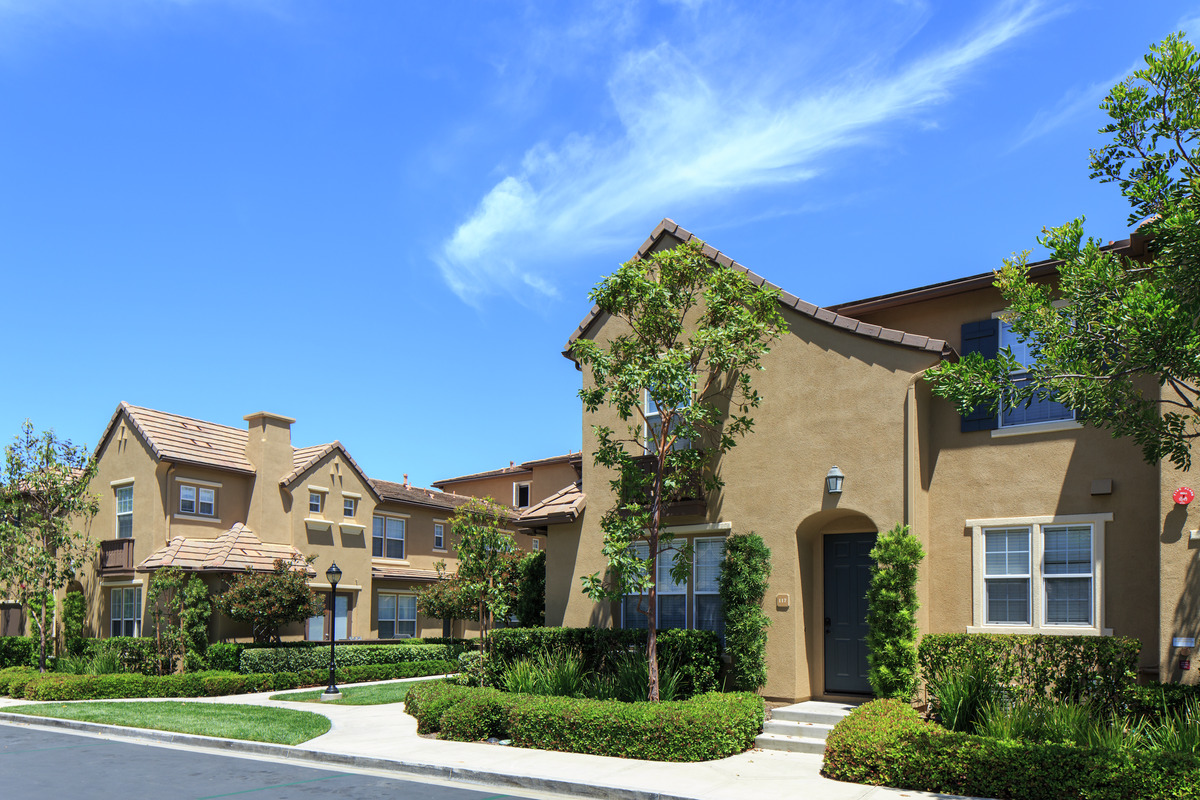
{"points": [[981, 337]]}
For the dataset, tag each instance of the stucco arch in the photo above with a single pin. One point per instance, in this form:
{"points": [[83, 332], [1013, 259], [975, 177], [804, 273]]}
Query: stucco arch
{"points": [[810, 548]]}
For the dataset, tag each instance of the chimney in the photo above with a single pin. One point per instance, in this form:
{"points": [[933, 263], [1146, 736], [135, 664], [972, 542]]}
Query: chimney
{"points": [[269, 449], [406, 480]]}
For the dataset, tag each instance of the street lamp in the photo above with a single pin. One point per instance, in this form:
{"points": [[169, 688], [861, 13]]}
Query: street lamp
{"points": [[333, 575]]}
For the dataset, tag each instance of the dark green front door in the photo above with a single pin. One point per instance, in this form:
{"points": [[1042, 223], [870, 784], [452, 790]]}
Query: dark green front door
{"points": [[847, 576]]}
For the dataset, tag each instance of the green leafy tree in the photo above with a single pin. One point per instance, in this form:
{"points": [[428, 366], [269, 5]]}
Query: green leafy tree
{"points": [[690, 333], [45, 508], [1117, 338], [74, 607], [446, 598], [892, 614], [266, 601], [530, 605], [180, 607], [745, 573], [487, 557]]}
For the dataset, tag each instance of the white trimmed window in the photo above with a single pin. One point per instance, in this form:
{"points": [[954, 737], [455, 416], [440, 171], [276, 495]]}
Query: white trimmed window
{"points": [[1039, 409], [397, 616], [124, 512], [316, 502], [200, 501], [694, 603], [521, 495], [439, 536], [654, 425], [349, 507], [206, 505], [125, 611], [537, 544], [387, 537], [1039, 574], [187, 499]]}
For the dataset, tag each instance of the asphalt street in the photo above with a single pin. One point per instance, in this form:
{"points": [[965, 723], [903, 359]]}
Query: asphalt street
{"points": [[36, 764]]}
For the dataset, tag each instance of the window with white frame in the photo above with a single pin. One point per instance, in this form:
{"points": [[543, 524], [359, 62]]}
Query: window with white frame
{"points": [[387, 537], [439, 536], [521, 495], [1039, 573], [1039, 409], [197, 500], [693, 603], [125, 611], [125, 512], [316, 502], [654, 426], [537, 544], [349, 507], [397, 616]]}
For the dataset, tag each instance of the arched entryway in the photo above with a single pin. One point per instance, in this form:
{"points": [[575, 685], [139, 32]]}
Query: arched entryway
{"points": [[837, 543]]}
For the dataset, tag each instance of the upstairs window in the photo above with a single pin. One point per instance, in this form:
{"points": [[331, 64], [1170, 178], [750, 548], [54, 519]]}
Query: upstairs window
{"points": [[124, 512], [520, 495], [316, 502], [187, 499], [349, 507], [654, 426], [1040, 409], [197, 500], [387, 539], [439, 536]]}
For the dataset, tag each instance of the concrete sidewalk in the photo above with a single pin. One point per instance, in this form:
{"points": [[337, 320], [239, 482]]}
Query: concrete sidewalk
{"points": [[384, 738]]}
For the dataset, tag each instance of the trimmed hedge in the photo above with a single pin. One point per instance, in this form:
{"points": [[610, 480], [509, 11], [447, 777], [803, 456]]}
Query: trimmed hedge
{"points": [[7, 674], [708, 726], [885, 743], [290, 659], [59, 686], [1096, 668], [16, 651], [1154, 700], [696, 655]]}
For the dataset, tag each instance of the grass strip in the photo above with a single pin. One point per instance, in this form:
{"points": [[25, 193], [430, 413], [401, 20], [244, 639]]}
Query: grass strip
{"points": [[226, 720], [378, 694]]}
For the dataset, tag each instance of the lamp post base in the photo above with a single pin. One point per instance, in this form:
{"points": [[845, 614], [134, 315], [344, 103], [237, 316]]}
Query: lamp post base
{"points": [[330, 696]]}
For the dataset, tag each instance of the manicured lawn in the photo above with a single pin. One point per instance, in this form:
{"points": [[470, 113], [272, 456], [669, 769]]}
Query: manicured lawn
{"points": [[357, 695], [229, 721]]}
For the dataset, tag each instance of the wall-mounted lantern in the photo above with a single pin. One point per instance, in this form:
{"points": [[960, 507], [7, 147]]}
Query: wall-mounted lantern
{"points": [[833, 480]]}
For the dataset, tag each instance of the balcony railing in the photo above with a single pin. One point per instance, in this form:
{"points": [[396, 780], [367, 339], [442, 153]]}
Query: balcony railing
{"points": [[116, 555]]}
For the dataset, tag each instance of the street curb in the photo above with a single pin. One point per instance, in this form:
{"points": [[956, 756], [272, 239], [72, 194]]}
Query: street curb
{"points": [[317, 757]]}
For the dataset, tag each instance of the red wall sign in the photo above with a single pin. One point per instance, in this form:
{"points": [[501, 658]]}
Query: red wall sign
{"points": [[1183, 495]]}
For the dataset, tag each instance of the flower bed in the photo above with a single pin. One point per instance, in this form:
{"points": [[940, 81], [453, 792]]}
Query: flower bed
{"points": [[58, 686], [708, 726], [885, 743]]}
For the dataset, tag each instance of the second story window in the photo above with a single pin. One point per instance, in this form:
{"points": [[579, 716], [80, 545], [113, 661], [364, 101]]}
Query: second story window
{"points": [[520, 495], [197, 500], [537, 545], [1039, 409], [349, 506], [316, 502], [387, 537], [439, 536], [124, 512]]}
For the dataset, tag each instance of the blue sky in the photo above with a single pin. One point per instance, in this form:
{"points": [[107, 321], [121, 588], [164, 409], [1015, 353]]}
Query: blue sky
{"points": [[383, 218]]}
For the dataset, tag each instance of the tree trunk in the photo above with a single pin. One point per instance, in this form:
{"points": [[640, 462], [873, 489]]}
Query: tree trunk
{"points": [[655, 524], [42, 638]]}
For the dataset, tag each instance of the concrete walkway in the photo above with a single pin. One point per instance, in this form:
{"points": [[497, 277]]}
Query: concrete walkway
{"points": [[383, 737]]}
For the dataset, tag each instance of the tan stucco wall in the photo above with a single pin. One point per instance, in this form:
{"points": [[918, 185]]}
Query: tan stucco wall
{"points": [[543, 479]]}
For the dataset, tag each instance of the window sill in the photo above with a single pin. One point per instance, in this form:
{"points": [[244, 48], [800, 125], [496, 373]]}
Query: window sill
{"points": [[390, 562], [440, 550], [1036, 427], [195, 518], [1045, 630], [319, 524], [352, 527]]}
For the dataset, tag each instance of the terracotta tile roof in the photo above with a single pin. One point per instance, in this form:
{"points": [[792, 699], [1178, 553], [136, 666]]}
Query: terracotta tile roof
{"points": [[303, 459], [516, 469], [235, 550], [172, 437], [399, 493], [668, 228], [562, 506], [403, 574]]}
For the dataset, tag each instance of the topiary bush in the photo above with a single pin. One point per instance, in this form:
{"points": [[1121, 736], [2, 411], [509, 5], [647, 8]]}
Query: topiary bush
{"points": [[745, 572], [478, 715], [530, 604], [892, 614], [225, 656], [885, 743], [74, 608], [1098, 669]]}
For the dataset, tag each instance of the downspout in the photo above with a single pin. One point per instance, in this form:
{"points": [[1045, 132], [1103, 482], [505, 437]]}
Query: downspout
{"points": [[912, 477], [167, 500]]}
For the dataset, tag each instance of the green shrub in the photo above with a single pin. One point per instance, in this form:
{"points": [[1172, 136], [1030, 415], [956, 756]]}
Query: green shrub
{"points": [[885, 743], [708, 726], [224, 656], [892, 614], [9, 673], [74, 608], [17, 681], [291, 659], [957, 698], [133, 653], [471, 671], [16, 651], [743, 581], [696, 655], [530, 604], [1099, 669]]}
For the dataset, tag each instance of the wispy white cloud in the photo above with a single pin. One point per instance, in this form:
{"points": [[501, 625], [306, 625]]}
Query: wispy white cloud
{"points": [[691, 131]]}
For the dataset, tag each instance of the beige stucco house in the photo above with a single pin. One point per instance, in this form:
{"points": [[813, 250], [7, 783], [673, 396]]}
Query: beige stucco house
{"points": [[1032, 522], [216, 500]]}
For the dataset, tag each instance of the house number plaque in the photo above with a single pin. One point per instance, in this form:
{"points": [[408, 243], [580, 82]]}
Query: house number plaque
{"points": [[782, 601]]}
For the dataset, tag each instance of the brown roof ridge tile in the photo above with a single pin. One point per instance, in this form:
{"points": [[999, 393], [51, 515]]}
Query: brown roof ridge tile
{"points": [[669, 227]]}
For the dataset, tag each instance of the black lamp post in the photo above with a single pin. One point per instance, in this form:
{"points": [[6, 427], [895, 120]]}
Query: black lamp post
{"points": [[333, 575]]}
